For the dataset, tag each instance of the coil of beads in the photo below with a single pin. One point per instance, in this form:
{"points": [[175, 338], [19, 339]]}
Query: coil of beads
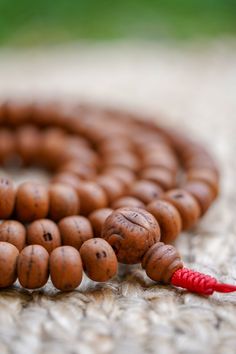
{"points": [[121, 189]]}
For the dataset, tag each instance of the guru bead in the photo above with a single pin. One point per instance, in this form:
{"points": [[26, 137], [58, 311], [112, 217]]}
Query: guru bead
{"points": [[32, 201], [7, 198], [14, 232], [64, 201], [8, 262], [44, 232], [168, 219], [32, 267], [75, 230], [161, 261], [186, 205], [97, 219], [130, 232], [99, 259], [66, 268]]}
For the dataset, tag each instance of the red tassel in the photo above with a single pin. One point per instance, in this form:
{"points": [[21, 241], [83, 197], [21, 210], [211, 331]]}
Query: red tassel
{"points": [[199, 283]]}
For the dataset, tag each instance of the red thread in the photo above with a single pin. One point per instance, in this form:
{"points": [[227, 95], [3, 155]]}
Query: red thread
{"points": [[199, 283]]}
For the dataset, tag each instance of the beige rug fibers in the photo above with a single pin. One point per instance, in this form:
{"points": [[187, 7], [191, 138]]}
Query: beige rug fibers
{"points": [[193, 87]]}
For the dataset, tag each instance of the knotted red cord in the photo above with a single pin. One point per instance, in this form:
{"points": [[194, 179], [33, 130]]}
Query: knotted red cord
{"points": [[199, 283]]}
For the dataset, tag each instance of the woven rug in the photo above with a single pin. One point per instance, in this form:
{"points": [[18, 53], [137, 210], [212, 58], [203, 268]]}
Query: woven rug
{"points": [[192, 87]]}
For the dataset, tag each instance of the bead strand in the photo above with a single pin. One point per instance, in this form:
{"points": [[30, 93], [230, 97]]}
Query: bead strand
{"points": [[121, 190]]}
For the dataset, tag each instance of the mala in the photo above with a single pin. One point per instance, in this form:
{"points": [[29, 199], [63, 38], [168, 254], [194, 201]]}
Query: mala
{"points": [[121, 190]]}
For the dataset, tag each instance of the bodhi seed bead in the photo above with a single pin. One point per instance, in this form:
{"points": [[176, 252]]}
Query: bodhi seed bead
{"points": [[7, 198], [66, 268], [8, 261], [146, 191], [32, 267], [130, 232], [32, 201], [97, 219], [14, 232], [202, 192], [112, 186], [168, 219], [186, 205], [161, 261], [75, 230], [99, 260], [44, 232], [91, 196], [64, 201], [127, 202]]}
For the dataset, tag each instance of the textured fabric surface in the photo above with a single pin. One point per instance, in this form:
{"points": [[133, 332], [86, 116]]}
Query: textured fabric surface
{"points": [[193, 88]]}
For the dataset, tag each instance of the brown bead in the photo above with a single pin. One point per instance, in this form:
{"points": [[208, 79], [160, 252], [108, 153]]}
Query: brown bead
{"points": [[160, 159], [123, 174], [8, 261], [127, 160], [168, 219], [99, 260], [161, 176], [75, 230], [81, 170], [112, 186], [28, 141], [66, 178], [208, 176], [7, 198], [97, 219], [32, 201], [44, 232], [202, 192], [63, 201], [127, 202], [146, 191], [91, 196], [7, 145], [161, 261], [130, 232], [186, 205], [33, 267], [66, 268], [14, 232]]}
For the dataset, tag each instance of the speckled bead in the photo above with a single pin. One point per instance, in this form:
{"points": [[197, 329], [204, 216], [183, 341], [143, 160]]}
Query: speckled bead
{"points": [[32, 201], [8, 262], [208, 176], [161, 261], [123, 174], [168, 219], [75, 230], [32, 267], [63, 201], [7, 197], [202, 192], [97, 219], [14, 232], [131, 202], [91, 196], [186, 205], [112, 186], [130, 232], [163, 177], [66, 268], [44, 232], [99, 260], [146, 191]]}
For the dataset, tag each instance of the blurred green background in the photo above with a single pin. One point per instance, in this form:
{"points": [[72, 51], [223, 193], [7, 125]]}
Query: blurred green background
{"points": [[27, 22]]}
